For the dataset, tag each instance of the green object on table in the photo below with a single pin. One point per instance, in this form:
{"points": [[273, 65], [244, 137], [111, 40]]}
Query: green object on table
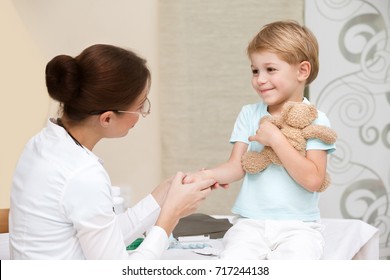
{"points": [[134, 245]]}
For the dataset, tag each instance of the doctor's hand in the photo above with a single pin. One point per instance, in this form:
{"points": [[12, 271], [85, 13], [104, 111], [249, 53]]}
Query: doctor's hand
{"points": [[202, 175], [182, 200]]}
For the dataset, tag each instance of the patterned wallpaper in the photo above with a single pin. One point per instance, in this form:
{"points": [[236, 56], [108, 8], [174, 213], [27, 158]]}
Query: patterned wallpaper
{"points": [[353, 88]]}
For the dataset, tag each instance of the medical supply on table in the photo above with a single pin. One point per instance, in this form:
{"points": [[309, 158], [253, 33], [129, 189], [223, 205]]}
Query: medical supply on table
{"points": [[189, 242], [208, 251], [134, 245]]}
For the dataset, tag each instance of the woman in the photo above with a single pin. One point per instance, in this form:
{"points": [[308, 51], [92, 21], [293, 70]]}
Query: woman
{"points": [[61, 205]]}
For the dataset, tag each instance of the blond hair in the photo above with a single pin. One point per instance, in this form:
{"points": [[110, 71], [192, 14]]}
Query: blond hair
{"points": [[289, 40]]}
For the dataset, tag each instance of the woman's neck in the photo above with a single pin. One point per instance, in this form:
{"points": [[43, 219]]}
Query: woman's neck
{"points": [[84, 133]]}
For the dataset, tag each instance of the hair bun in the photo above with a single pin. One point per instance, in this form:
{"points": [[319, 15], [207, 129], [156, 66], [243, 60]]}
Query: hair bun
{"points": [[63, 78]]}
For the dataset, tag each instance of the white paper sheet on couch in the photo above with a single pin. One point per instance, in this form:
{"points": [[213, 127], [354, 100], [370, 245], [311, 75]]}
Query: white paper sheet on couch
{"points": [[345, 239]]}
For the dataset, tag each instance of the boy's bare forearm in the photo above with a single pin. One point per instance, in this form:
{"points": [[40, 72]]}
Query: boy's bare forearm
{"points": [[226, 173]]}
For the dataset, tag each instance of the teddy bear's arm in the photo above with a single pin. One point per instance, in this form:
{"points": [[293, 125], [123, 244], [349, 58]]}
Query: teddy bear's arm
{"points": [[325, 134]]}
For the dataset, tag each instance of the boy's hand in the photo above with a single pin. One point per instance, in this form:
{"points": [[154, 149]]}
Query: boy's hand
{"points": [[266, 134]]}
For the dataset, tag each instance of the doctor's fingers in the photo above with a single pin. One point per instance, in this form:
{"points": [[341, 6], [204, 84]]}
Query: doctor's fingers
{"points": [[196, 199], [202, 185], [178, 178]]}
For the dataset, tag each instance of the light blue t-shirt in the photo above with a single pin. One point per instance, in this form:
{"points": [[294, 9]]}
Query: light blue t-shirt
{"points": [[273, 193]]}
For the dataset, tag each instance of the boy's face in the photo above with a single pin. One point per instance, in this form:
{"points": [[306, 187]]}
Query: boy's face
{"points": [[275, 80]]}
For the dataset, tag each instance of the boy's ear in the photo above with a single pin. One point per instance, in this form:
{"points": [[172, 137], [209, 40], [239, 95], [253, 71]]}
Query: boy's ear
{"points": [[304, 70]]}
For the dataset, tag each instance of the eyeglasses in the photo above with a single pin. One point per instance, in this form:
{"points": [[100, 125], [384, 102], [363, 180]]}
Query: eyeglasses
{"points": [[145, 110]]}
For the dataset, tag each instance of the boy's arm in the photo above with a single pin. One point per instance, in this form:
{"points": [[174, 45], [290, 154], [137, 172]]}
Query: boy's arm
{"points": [[309, 171], [227, 172]]}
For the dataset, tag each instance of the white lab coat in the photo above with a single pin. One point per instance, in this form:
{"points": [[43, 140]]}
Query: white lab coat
{"points": [[62, 208]]}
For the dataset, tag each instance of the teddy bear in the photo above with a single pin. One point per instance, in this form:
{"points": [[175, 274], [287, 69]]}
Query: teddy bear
{"points": [[295, 122]]}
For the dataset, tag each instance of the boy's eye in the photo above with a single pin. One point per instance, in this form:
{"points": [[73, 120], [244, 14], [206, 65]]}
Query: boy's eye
{"points": [[255, 71], [270, 69]]}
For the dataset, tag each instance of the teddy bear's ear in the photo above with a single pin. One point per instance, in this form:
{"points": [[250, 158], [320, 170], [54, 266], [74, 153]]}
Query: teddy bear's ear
{"points": [[286, 109]]}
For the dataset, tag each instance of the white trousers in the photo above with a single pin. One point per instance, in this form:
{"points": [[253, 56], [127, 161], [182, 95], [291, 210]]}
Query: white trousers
{"points": [[273, 240]]}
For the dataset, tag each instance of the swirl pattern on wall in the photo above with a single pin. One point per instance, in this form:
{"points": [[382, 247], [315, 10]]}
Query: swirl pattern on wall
{"points": [[356, 97]]}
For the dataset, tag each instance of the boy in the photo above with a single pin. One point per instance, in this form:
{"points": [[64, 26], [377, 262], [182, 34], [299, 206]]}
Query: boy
{"points": [[277, 209]]}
